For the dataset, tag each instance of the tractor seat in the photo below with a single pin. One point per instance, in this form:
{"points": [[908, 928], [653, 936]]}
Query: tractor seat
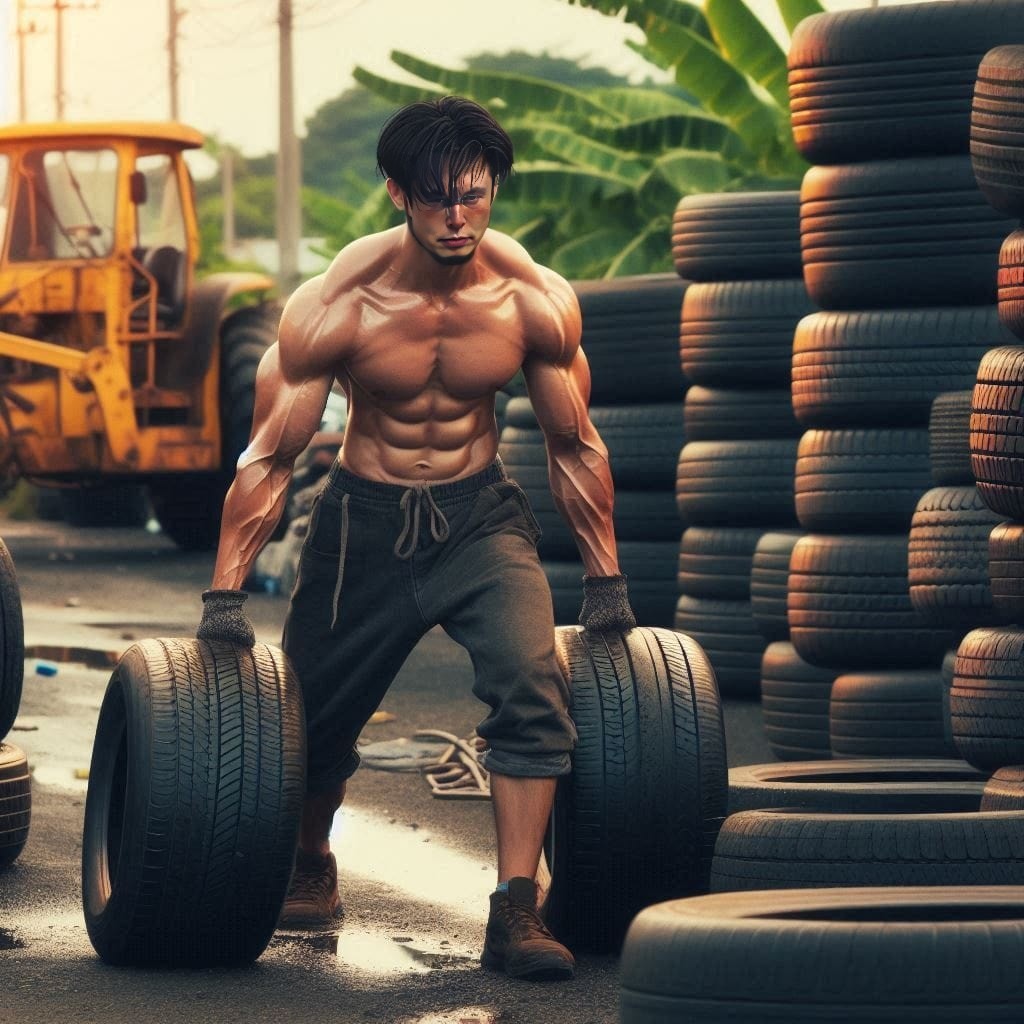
{"points": [[167, 265]]}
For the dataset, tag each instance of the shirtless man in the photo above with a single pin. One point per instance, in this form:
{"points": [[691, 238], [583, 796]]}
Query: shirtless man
{"points": [[417, 523]]}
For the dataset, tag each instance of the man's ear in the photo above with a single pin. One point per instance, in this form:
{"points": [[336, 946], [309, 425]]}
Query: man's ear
{"points": [[396, 193]]}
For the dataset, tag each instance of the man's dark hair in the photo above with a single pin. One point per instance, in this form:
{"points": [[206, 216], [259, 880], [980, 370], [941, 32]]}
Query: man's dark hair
{"points": [[425, 143]]}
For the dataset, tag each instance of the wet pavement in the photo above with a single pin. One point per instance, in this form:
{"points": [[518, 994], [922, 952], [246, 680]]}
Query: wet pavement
{"points": [[415, 871]]}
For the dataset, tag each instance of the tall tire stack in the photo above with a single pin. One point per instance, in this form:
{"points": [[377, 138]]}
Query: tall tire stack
{"points": [[987, 695], [891, 87], [15, 780], [900, 250], [735, 472], [630, 338]]}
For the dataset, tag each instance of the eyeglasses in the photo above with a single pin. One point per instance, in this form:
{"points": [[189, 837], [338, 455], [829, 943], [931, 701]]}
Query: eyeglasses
{"points": [[478, 199]]}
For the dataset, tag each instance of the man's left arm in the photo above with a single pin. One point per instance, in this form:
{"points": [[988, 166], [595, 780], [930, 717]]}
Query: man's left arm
{"points": [[558, 382]]}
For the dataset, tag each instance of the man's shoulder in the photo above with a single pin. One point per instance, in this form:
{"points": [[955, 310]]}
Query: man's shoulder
{"points": [[539, 286], [360, 263]]}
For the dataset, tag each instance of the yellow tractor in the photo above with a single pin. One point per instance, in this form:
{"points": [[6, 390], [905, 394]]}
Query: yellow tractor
{"points": [[116, 365]]}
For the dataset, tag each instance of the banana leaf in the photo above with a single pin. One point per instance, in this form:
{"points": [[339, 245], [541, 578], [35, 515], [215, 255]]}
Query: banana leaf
{"points": [[399, 93], [749, 46], [640, 103], [581, 152], [640, 12], [690, 171], [589, 255], [551, 184], [649, 252], [794, 11], [656, 135]]}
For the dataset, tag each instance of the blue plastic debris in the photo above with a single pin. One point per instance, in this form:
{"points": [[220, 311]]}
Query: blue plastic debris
{"points": [[46, 668]]}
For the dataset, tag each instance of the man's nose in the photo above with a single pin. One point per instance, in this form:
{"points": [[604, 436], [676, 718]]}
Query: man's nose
{"points": [[456, 214]]}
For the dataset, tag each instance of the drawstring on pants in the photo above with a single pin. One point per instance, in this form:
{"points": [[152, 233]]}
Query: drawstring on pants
{"points": [[341, 558], [412, 503]]}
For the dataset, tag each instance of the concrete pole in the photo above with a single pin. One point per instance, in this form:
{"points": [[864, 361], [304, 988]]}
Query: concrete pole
{"points": [[22, 85], [227, 185], [173, 16], [59, 7], [289, 209]]}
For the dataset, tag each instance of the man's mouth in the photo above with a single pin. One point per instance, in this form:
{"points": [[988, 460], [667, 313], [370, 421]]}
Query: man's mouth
{"points": [[454, 243]]}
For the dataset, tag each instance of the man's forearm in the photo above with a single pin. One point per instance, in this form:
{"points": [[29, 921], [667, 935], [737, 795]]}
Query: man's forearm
{"points": [[581, 485], [252, 508]]}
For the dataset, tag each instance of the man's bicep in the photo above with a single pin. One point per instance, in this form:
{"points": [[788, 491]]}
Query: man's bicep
{"points": [[559, 394]]}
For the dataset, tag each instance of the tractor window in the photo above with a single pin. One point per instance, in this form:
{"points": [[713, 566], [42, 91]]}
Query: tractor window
{"points": [[64, 206], [161, 220]]}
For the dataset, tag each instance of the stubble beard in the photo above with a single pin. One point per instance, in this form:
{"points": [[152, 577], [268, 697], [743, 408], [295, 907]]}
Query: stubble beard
{"points": [[455, 260]]}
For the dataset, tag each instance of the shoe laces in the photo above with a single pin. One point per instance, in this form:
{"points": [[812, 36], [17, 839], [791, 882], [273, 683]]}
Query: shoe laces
{"points": [[314, 883], [522, 921]]}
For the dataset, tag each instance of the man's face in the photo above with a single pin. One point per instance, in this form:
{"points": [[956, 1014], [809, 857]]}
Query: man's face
{"points": [[449, 227]]}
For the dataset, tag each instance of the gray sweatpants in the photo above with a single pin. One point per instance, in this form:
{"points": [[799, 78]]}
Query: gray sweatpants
{"points": [[382, 564]]}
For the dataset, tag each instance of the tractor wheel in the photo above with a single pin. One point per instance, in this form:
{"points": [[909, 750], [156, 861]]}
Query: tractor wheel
{"points": [[195, 796], [188, 506], [12, 642]]}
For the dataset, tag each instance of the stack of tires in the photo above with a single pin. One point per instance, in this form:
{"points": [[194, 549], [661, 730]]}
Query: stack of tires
{"points": [[15, 781], [902, 257], [735, 472], [630, 338]]}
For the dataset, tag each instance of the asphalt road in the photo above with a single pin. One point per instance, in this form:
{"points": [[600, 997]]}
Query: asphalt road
{"points": [[415, 870]]}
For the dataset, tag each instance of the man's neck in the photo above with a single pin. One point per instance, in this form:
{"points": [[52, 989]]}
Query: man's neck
{"points": [[419, 271]]}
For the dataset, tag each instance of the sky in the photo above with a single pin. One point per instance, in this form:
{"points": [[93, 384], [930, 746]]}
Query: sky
{"points": [[115, 52]]}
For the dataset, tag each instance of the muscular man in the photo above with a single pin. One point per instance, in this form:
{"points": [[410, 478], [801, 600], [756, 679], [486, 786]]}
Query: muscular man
{"points": [[417, 523]]}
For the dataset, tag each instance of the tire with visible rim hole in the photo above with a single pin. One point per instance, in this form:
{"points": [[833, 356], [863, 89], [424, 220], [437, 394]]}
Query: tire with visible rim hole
{"points": [[949, 439], [986, 702], [899, 233], [12, 642], [195, 795], [737, 236], [651, 691], [779, 848], [188, 505], [859, 786], [15, 802], [804, 954]]}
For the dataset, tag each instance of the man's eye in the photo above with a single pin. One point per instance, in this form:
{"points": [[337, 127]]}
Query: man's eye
{"points": [[471, 200]]}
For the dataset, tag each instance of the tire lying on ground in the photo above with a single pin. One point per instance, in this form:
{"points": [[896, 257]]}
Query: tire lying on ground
{"points": [[629, 828], [12, 642], [737, 236], [735, 414], [890, 714], [949, 439], [779, 848], [922, 953], [195, 796], [997, 427], [859, 786], [794, 704], [15, 802], [986, 702], [899, 233], [1005, 790], [948, 555]]}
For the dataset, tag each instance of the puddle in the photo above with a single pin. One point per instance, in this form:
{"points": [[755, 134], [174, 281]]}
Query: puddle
{"points": [[376, 953], [8, 940]]}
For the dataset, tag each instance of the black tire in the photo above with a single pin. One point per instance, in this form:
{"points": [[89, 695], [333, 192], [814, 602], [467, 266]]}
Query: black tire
{"points": [[12, 642], [565, 578], [726, 632], [737, 236], [740, 333], [649, 776], [737, 483], [1011, 283], [890, 714], [947, 558], [805, 955], [997, 431], [949, 439], [859, 786], [1006, 571], [794, 704], [651, 569], [996, 125], [778, 848], [1005, 790], [891, 82], [15, 803], [643, 442], [646, 516], [860, 480], [631, 337], [734, 414], [896, 233], [986, 702], [717, 562], [885, 367], [105, 504], [188, 506], [849, 605], [769, 582], [195, 795]]}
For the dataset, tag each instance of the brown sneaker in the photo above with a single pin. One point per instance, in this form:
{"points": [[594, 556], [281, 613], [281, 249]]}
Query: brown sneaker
{"points": [[518, 941], [313, 901]]}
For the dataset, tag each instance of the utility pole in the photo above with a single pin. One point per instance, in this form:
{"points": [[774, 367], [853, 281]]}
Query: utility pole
{"points": [[227, 184], [59, 7], [289, 209], [58, 10], [22, 32], [173, 20]]}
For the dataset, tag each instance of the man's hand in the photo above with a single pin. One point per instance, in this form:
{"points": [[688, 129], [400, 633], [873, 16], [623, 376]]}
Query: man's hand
{"points": [[606, 604], [223, 618]]}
